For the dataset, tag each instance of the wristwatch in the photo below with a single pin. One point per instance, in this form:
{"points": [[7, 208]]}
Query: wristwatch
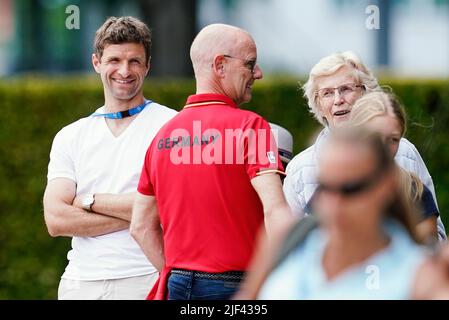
{"points": [[87, 201]]}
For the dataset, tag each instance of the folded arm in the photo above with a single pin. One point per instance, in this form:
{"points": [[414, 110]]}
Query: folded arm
{"points": [[65, 219], [114, 205]]}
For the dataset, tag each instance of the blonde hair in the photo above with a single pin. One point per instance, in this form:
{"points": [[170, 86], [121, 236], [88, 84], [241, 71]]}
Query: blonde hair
{"points": [[380, 103], [411, 185], [330, 65], [375, 104]]}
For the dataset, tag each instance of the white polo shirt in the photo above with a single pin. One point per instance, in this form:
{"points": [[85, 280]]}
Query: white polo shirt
{"points": [[87, 152]]}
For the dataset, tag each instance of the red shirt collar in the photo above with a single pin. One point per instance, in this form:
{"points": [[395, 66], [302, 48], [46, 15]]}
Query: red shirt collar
{"points": [[203, 98]]}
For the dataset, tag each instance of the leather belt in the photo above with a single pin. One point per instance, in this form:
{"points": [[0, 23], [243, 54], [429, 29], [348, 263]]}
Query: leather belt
{"points": [[235, 276]]}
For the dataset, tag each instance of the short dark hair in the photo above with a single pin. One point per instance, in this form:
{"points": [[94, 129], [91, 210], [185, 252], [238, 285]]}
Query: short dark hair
{"points": [[118, 30]]}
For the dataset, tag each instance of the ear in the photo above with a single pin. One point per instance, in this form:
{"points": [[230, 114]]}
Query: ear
{"points": [[96, 63], [148, 68], [218, 66]]}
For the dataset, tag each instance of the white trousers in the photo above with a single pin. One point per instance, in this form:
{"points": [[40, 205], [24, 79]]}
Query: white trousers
{"points": [[133, 288]]}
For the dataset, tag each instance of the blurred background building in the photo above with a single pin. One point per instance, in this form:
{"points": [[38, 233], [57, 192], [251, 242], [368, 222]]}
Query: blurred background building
{"points": [[412, 39]]}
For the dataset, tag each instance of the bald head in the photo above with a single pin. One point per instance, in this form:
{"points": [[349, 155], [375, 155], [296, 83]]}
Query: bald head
{"points": [[216, 39], [224, 59]]}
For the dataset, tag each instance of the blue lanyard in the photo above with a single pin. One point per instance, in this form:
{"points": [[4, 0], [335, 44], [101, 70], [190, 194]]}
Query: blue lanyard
{"points": [[123, 114]]}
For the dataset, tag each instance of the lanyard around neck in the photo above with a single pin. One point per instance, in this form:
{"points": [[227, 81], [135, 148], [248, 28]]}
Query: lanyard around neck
{"points": [[123, 114]]}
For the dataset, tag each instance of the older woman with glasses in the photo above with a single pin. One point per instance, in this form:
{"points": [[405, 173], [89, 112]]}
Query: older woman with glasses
{"points": [[365, 246], [335, 83]]}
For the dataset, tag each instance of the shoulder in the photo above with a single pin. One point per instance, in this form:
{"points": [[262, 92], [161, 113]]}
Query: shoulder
{"points": [[300, 180], [403, 254], [237, 118], [426, 192], [303, 161], [72, 130], [307, 159], [250, 118], [401, 242], [428, 203], [407, 150], [161, 110], [155, 118], [246, 116], [409, 158]]}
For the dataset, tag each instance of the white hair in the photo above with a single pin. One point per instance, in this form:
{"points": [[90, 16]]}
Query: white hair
{"points": [[330, 65]]}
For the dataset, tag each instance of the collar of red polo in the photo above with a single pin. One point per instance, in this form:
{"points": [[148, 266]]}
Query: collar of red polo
{"points": [[209, 99]]}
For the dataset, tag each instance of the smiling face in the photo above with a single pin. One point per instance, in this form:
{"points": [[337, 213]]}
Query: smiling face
{"points": [[335, 108], [240, 76], [123, 69]]}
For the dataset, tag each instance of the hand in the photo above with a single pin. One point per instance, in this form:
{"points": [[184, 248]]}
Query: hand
{"points": [[77, 201], [432, 280]]}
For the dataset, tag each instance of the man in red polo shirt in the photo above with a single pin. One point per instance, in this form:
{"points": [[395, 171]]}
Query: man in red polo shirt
{"points": [[213, 172]]}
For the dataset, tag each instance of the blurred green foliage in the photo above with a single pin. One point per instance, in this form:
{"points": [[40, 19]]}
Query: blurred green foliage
{"points": [[33, 110]]}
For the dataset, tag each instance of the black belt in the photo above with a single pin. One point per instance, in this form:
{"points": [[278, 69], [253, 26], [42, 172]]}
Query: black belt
{"points": [[236, 276]]}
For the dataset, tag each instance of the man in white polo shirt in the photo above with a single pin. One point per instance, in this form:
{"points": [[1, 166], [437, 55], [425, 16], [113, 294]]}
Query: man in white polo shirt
{"points": [[94, 170]]}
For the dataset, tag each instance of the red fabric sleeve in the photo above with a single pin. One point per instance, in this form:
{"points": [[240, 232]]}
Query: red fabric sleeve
{"points": [[261, 152]]}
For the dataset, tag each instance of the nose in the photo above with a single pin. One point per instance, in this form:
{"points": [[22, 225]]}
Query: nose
{"points": [[333, 198], [124, 69], [329, 201], [257, 74], [338, 98]]}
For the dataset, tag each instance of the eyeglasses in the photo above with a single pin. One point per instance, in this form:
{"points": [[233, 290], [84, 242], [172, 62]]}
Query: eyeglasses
{"points": [[354, 187], [344, 90], [250, 64]]}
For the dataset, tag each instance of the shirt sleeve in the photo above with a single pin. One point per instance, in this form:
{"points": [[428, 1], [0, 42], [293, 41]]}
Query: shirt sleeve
{"points": [[261, 151], [61, 163], [145, 185], [429, 209], [409, 158]]}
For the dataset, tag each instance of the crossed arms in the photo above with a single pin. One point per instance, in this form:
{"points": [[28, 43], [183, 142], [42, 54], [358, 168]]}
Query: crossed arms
{"points": [[64, 215]]}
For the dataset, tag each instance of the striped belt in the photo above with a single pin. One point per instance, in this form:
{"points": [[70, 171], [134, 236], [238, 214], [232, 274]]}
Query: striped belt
{"points": [[235, 276]]}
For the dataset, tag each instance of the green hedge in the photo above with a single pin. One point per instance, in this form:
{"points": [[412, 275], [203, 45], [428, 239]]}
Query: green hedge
{"points": [[34, 109]]}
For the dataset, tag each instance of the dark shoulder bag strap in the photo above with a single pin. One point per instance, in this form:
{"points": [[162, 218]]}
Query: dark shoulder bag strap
{"points": [[295, 237]]}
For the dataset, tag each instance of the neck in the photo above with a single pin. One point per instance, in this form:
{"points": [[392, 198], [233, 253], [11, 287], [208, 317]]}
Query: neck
{"points": [[345, 248], [115, 105], [211, 86]]}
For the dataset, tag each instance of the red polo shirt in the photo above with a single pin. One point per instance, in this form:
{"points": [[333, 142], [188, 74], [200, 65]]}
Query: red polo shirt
{"points": [[199, 166]]}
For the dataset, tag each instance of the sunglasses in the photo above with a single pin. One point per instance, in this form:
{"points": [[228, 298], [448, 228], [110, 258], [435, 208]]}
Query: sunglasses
{"points": [[353, 187]]}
